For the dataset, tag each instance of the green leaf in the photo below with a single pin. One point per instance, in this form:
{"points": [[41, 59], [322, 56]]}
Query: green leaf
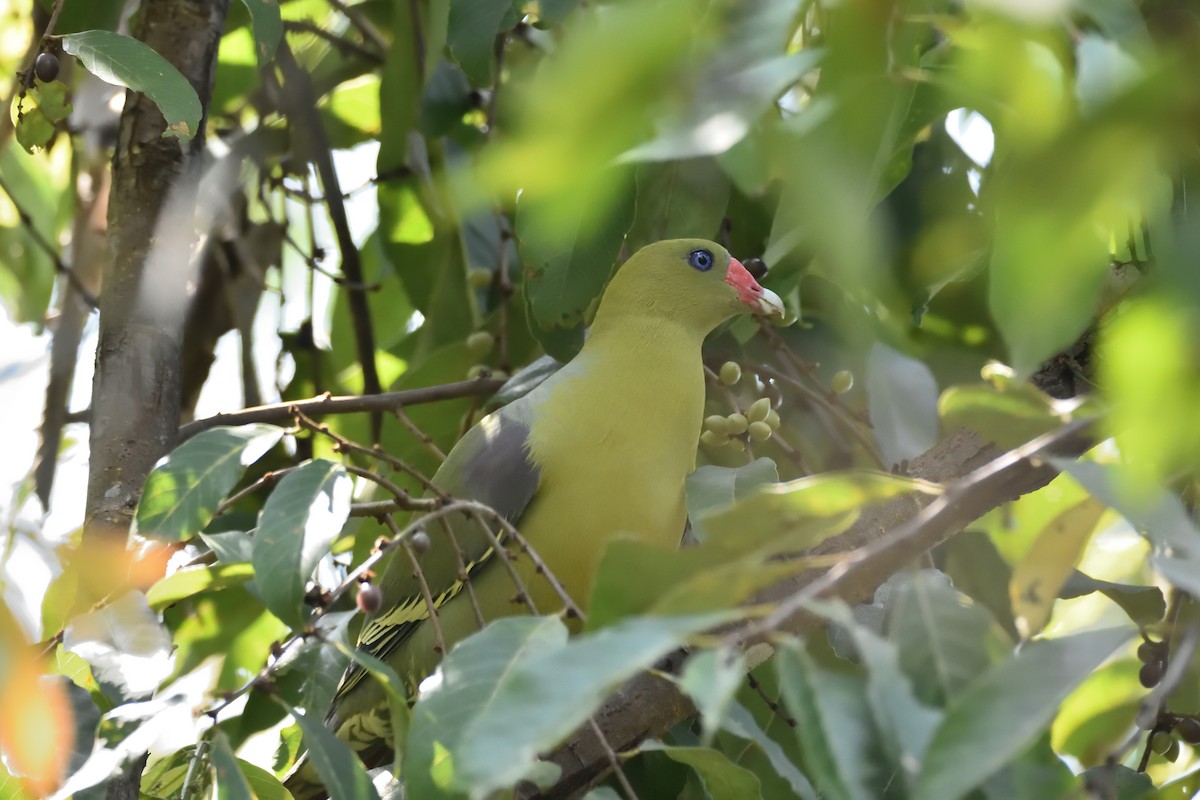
{"points": [[568, 261], [833, 724], [1118, 782], [722, 779], [1009, 416], [263, 785], [978, 570], [903, 401], [191, 581], [637, 578], [184, 489], [740, 723], [800, 514], [1154, 512], [53, 100], [904, 724], [1145, 605], [1007, 708], [268, 27], [472, 36], [678, 200], [470, 676], [339, 768], [299, 522], [125, 61], [545, 696], [943, 639], [231, 783], [34, 130], [711, 488], [712, 678]]}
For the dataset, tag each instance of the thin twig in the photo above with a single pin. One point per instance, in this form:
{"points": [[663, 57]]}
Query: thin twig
{"points": [[363, 25], [419, 574], [349, 404], [421, 436], [461, 563], [850, 422], [59, 265], [613, 760], [340, 42], [402, 498], [343, 445]]}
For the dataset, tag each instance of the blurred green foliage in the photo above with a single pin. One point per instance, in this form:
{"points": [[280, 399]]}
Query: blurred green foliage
{"points": [[934, 185]]}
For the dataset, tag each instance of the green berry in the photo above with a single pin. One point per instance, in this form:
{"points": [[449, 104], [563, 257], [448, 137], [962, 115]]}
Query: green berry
{"points": [[773, 419], [843, 381], [478, 371], [736, 424], [738, 445], [717, 424], [480, 343], [759, 409], [760, 431], [714, 439], [479, 278], [1160, 742], [731, 373]]}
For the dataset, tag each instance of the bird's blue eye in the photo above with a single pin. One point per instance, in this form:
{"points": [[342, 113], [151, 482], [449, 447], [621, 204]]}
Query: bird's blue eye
{"points": [[701, 260]]}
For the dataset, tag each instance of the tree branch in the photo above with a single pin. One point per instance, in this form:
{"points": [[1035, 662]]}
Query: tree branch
{"points": [[329, 404]]}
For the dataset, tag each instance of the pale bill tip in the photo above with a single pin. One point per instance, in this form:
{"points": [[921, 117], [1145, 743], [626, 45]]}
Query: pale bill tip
{"points": [[771, 304]]}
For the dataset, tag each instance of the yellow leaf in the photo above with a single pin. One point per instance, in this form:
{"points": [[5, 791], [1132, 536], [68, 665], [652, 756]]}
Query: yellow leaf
{"points": [[1044, 569]]}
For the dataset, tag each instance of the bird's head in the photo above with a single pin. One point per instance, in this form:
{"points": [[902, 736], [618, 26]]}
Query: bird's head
{"points": [[693, 281]]}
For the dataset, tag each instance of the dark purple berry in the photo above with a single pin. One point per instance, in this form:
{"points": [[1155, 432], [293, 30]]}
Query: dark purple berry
{"points": [[46, 67]]}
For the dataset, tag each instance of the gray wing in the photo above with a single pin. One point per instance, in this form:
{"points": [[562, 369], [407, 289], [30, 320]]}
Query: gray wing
{"points": [[489, 464]]}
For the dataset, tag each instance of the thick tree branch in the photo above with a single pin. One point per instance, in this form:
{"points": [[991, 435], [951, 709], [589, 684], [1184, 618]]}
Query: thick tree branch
{"points": [[135, 394]]}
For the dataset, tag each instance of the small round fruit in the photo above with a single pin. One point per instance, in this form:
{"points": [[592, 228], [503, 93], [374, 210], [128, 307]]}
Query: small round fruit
{"points": [[1152, 651], [1151, 673], [738, 445], [46, 67], [478, 371], [731, 373], [737, 424], [369, 599], [1188, 729], [759, 409], [479, 278], [760, 431], [773, 419], [419, 542], [480, 343], [714, 439], [717, 424], [843, 381], [1172, 751], [1160, 742]]}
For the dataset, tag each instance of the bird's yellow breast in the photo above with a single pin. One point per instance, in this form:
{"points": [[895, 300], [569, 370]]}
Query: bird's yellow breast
{"points": [[613, 463]]}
